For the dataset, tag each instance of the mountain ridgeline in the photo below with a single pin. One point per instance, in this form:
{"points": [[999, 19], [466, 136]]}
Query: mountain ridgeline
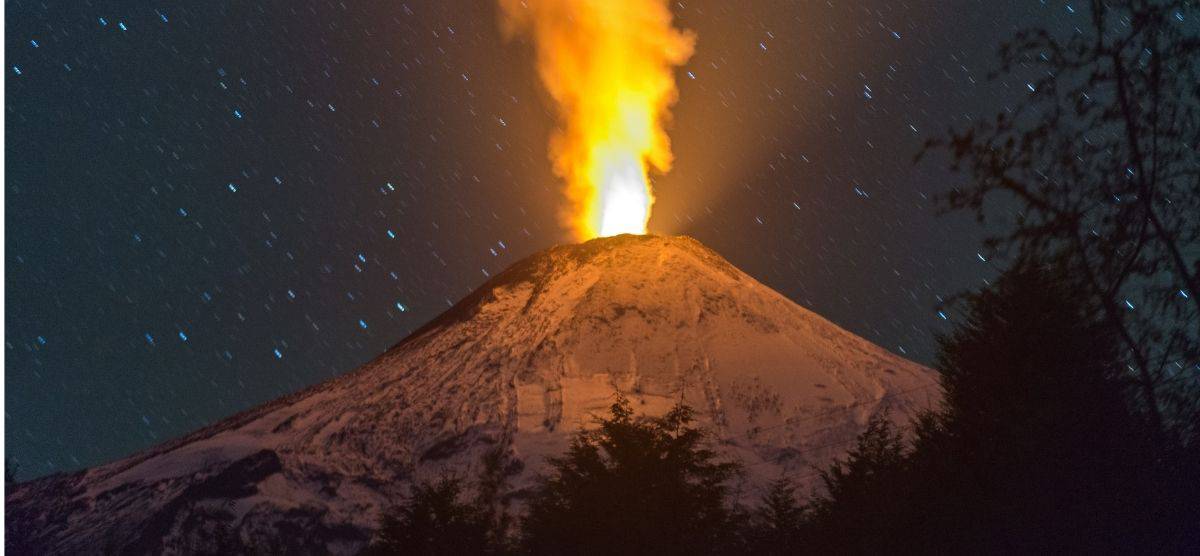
{"points": [[492, 388]]}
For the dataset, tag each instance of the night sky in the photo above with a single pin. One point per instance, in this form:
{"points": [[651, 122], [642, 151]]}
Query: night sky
{"points": [[209, 207]]}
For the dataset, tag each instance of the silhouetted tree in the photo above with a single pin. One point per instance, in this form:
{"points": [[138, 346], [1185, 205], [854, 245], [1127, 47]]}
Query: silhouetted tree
{"points": [[1036, 438], [634, 486], [863, 508], [1098, 167], [1035, 449], [492, 478], [777, 526], [435, 521]]}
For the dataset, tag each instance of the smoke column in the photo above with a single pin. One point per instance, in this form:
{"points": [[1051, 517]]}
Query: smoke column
{"points": [[609, 66]]}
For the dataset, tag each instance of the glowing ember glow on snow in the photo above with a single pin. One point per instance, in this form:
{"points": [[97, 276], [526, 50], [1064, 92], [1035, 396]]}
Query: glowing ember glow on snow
{"points": [[609, 66]]}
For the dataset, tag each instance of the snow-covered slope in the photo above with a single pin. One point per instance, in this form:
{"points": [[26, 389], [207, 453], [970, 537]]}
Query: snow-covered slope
{"points": [[505, 377]]}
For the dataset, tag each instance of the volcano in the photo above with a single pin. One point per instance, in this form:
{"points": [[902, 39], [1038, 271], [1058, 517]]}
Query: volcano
{"points": [[491, 388]]}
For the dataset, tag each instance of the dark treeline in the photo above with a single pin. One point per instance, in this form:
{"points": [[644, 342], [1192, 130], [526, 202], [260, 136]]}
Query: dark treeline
{"points": [[1038, 447]]}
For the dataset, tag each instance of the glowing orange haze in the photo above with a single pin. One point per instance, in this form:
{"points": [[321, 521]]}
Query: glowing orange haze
{"points": [[608, 64]]}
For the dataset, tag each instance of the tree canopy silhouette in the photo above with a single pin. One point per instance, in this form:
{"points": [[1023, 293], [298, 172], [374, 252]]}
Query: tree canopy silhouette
{"points": [[1098, 167], [634, 486], [435, 520], [1035, 449], [779, 525], [863, 508]]}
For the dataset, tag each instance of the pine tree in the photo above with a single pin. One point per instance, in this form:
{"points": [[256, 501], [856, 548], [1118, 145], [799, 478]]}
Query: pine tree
{"points": [[634, 486], [1037, 440], [434, 521], [1036, 448], [777, 526], [862, 509]]}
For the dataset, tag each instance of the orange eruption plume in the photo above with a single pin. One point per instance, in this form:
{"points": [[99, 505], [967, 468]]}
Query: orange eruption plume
{"points": [[608, 64]]}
